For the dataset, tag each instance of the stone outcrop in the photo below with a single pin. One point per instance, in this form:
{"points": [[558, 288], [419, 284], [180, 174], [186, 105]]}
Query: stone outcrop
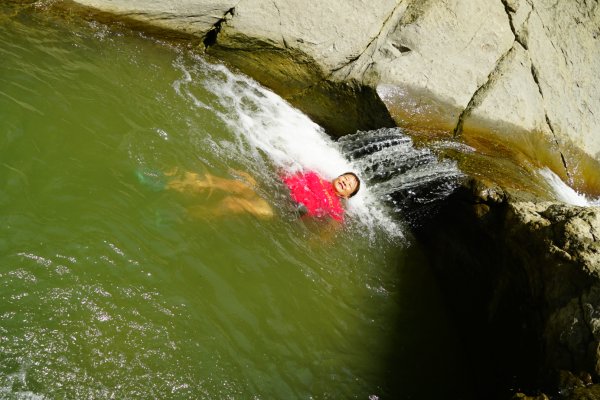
{"points": [[566, 277], [524, 279], [515, 66], [194, 18]]}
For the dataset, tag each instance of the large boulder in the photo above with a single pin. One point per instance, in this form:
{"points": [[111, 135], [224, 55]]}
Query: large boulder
{"points": [[188, 17], [517, 68], [523, 71], [523, 279], [562, 263]]}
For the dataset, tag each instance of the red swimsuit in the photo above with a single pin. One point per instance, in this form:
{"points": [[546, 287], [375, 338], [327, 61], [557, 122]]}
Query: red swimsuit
{"points": [[316, 194]]}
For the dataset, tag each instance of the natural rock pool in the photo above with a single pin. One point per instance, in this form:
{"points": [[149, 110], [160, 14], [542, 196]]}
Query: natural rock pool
{"points": [[110, 288]]}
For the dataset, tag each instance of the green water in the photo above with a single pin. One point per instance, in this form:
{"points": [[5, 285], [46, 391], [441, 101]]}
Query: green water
{"points": [[111, 289]]}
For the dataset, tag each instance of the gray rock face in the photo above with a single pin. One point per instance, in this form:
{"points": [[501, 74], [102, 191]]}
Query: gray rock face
{"points": [[529, 64], [515, 66], [572, 233]]}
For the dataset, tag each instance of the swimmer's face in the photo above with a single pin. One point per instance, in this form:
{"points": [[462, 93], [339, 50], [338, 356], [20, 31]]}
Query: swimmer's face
{"points": [[345, 185]]}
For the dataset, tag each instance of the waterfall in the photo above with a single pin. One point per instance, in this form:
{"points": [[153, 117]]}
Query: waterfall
{"points": [[564, 192], [411, 180], [401, 181], [270, 136]]}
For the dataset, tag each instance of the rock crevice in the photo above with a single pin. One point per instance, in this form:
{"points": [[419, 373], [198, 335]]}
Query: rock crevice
{"points": [[371, 45], [481, 91], [285, 44], [534, 74], [211, 36], [509, 12]]}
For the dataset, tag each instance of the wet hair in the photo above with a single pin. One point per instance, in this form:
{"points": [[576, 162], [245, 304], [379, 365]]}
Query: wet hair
{"points": [[357, 182]]}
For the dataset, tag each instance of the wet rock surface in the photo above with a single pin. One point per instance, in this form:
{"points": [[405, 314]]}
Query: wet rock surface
{"points": [[513, 66]]}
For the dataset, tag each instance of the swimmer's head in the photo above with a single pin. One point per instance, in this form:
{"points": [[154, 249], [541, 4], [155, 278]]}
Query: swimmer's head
{"points": [[346, 185]]}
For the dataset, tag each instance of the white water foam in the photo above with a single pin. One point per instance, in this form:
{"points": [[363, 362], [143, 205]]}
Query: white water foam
{"points": [[18, 379], [564, 192], [265, 123]]}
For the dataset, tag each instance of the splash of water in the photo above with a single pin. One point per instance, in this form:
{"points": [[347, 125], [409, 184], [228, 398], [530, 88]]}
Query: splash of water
{"points": [[564, 192], [412, 180], [265, 124]]}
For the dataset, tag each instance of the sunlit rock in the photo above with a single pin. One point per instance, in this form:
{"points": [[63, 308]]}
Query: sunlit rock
{"points": [[187, 16], [515, 65]]}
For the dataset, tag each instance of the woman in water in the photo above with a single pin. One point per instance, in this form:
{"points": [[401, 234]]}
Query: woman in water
{"points": [[314, 195]]}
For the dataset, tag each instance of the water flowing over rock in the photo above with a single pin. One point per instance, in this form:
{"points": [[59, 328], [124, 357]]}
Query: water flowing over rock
{"points": [[515, 66], [413, 181]]}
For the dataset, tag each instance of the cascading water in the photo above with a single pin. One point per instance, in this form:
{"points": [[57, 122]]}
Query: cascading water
{"points": [[276, 136], [412, 180], [564, 192]]}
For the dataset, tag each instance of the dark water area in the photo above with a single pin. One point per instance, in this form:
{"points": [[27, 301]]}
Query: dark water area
{"points": [[111, 288]]}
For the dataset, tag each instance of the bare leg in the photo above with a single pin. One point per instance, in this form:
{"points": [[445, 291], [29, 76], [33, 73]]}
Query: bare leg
{"points": [[192, 183], [256, 206], [232, 205], [242, 198], [247, 177]]}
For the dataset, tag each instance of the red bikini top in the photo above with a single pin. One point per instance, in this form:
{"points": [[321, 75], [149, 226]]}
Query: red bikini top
{"points": [[316, 194]]}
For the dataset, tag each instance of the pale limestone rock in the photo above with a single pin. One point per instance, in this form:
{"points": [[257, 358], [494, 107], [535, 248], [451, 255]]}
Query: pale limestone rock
{"points": [[447, 48], [564, 46], [517, 65], [572, 231], [513, 97], [332, 33], [521, 11], [189, 16]]}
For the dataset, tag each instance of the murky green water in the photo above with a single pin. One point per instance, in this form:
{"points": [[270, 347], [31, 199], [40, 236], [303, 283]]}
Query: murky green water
{"points": [[111, 289]]}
